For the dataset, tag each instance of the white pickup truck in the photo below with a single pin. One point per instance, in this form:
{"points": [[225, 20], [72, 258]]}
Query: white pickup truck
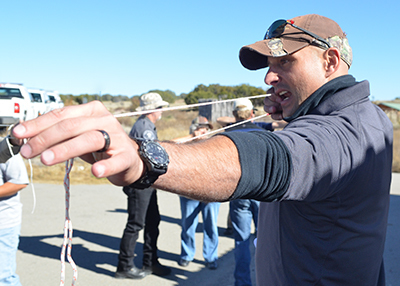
{"points": [[41, 101], [55, 99], [15, 104]]}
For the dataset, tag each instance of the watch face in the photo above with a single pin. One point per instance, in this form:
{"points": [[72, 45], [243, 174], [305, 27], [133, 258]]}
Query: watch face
{"points": [[156, 153]]}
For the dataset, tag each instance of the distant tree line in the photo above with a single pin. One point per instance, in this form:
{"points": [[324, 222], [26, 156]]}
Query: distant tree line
{"points": [[212, 91], [217, 91], [84, 98]]}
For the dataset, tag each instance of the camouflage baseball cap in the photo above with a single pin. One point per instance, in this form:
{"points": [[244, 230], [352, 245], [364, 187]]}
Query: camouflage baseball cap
{"points": [[291, 40]]}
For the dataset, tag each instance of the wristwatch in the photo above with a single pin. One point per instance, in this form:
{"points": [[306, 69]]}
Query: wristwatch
{"points": [[155, 159]]}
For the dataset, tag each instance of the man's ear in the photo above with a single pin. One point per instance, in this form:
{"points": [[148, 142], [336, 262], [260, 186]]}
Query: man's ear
{"points": [[332, 61]]}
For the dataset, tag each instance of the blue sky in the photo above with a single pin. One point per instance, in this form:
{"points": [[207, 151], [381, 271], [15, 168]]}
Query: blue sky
{"points": [[131, 47]]}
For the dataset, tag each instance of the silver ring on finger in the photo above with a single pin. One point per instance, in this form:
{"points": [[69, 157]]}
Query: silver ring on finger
{"points": [[107, 141]]}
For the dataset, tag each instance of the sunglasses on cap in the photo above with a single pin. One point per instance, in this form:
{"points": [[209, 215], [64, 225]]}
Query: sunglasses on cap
{"points": [[278, 27]]}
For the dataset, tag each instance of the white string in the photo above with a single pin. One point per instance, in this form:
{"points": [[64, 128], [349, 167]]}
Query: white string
{"points": [[32, 186], [67, 229], [224, 128], [183, 106], [197, 105]]}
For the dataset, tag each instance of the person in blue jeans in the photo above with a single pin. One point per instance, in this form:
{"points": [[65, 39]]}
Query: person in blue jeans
{"points": [[13, 178], [190, 218], [243, 211], [190, 215]]}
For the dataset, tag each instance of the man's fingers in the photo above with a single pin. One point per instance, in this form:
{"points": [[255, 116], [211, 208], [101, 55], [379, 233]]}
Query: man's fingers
{"points": [[74, 132], [273, 107], [277, 116], [74, 147], [33, 127], [67, 130]]}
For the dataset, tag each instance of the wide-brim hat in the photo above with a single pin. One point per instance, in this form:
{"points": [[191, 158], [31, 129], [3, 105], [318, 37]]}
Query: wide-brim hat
{"points": [[255, 56], [151, 101]]}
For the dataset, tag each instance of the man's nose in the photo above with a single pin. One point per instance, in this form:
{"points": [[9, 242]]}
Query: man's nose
{"points": [[271, 78]]}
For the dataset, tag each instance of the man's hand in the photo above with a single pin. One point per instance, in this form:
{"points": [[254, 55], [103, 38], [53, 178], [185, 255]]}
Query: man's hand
{"points": [[272, 105], [73, 132]]}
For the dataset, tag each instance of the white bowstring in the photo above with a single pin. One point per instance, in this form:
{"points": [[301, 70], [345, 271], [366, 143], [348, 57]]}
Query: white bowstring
{"points": [[184, 106], [224, 128], [197, 105], [32, 186]]}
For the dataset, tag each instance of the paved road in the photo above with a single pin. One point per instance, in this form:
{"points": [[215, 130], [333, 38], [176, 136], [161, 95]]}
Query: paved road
{"points": [[98, 216]]}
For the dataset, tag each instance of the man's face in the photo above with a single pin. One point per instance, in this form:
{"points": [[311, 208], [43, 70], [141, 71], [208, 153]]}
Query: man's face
{"points": [[158, 115], [200, 131], [295, 77]]}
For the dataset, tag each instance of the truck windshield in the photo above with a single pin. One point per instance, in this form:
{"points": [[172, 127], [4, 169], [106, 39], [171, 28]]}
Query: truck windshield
{"points": [[8, 93]]}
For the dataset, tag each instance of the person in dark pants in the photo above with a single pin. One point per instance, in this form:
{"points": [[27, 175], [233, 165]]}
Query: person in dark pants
{"points": [[143, 210]]}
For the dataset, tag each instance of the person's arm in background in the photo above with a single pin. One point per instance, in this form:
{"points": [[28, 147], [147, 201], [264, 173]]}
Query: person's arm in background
{"points": [[6, 145], [280, 124], [9, 189], [9, 143], [13, 176]]}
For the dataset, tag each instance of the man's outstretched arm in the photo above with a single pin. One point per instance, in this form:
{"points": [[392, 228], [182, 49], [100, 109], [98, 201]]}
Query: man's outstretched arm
{"points": [[208, 170]]}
